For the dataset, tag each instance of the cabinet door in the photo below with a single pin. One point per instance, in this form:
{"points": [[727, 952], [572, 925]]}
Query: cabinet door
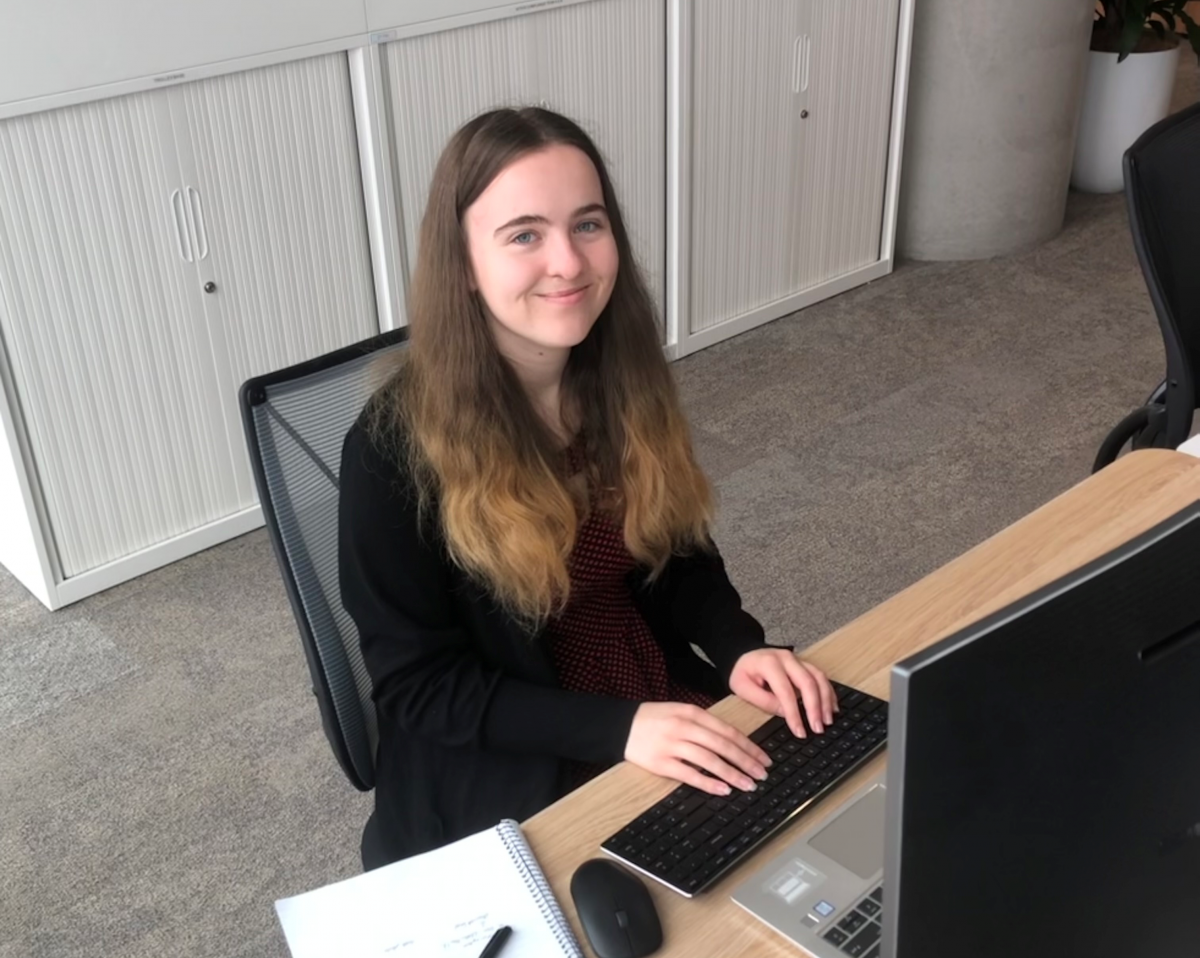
{"points": [[602, 63], [101, 329], [849, 78], [274, 196], [745, 185]]}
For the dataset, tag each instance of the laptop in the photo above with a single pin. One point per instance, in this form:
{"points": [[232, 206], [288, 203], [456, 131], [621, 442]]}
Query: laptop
{"points": [[1042, 795]]}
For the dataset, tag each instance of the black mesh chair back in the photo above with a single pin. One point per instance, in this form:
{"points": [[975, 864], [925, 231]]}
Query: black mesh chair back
{"points": [[1162, 192], [295, 421]]}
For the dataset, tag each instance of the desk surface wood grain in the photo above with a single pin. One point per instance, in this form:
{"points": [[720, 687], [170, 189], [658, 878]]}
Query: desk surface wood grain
{"points": [[1102, 512]]}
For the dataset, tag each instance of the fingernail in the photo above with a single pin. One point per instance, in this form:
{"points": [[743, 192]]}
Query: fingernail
{"points": [[750, 786], [724, 789], [761, 774]]}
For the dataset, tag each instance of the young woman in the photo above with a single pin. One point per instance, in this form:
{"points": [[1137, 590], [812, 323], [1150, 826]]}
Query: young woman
{"points": [[524, 531]]}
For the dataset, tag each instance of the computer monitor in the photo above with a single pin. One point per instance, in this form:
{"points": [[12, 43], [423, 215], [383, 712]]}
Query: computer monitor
{"points": [[1044, 769]]}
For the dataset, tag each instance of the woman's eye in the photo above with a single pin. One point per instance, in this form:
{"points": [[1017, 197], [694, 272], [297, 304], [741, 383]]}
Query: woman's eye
{"points": [[589, 226], [524, 239]]}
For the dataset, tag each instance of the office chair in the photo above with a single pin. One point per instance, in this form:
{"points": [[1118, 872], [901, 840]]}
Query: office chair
{"points": [[295, 420], [1162, 192]]}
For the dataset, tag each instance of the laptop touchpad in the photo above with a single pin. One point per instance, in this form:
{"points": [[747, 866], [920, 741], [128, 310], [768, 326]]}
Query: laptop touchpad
{"points": [[854, 839]]}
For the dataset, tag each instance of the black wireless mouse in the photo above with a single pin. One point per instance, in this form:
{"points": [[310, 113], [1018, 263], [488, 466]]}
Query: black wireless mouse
{"points": [[616, 910]]}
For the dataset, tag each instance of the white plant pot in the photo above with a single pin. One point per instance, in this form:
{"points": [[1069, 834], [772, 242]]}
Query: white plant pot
{"points": [[1120, 102]]}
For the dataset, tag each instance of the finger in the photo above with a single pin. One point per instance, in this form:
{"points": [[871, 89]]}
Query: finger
{"points": [[779, 677], [828, 696], [713, 763], [682, 772], [709, 722], [810, 693], [731, 750], [766, 700]]}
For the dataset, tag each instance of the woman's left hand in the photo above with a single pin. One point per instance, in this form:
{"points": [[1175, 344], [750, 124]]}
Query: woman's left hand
{"points": [[770, 679]]}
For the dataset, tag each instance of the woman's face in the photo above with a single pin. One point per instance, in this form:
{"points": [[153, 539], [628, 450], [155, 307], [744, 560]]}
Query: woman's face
{"points": [[542, 254]]}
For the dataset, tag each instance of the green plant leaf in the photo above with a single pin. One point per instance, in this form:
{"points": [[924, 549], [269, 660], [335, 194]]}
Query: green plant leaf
{"points": [[1131, 29]]}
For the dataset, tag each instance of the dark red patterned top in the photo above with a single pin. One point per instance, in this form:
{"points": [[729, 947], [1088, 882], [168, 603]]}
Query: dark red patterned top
{"points": [[599, 642]]}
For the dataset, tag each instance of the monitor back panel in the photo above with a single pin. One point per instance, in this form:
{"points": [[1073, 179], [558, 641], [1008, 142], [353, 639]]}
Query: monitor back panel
{"points": [[1045, 769]]}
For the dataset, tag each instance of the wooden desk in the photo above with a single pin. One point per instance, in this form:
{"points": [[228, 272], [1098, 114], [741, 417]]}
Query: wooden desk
{"points": [[1100, 513]]}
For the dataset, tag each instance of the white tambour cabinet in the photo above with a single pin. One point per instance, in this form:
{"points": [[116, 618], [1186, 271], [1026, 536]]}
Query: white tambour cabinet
{"points": [[194, 193], [788, 115], [600, 62], [157, 249]]}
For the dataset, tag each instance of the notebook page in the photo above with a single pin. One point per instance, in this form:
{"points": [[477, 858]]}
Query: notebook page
{"points": [[442, 904]]}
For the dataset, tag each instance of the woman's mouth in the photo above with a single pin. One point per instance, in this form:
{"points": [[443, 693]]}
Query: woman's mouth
{"points": [[565, 297]]}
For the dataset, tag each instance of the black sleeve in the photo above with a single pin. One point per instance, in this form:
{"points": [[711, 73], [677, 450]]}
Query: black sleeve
{"points": [[693, 601], [432, 675]]}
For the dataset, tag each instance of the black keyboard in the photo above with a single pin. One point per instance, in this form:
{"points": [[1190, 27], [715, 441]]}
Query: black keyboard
{"points": [[858, 933], [690, 839]]}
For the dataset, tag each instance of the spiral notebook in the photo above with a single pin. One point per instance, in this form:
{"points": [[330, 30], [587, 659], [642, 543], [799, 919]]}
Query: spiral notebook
{"points": [[447, 902]]}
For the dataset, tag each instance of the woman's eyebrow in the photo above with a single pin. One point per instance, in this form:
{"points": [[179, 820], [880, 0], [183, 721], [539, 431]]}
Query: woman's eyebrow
{"points": [[530, 219]]}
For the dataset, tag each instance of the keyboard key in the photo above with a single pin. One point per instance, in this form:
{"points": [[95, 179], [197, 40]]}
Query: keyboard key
{"points": [[766, 730], [852, 922], [835, 936], [874, 951], [863, 941], [877, 894], [868, 907]]}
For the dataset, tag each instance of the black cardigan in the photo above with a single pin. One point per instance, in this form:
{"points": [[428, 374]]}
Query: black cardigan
{"points": [[472, 721]]}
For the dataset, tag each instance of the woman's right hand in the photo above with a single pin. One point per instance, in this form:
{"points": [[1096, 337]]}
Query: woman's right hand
{"points": [[675, 740]]}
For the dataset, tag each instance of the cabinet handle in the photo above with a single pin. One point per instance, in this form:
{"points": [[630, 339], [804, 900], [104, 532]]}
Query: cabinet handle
{"points": [[179, 215], [197, 210], [801, 56]]}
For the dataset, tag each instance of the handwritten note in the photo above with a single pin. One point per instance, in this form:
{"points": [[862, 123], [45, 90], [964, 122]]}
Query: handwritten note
{"points": [[443, 904]]}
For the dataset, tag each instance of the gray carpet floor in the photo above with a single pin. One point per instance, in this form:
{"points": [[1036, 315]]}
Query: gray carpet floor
{"points": [[163, 775]]}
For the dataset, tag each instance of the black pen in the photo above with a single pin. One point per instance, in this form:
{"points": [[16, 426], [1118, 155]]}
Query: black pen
{"points": [[493, 947]]}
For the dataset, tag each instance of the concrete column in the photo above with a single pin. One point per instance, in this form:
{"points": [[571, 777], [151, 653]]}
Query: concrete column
{"points": [[993, 106]]}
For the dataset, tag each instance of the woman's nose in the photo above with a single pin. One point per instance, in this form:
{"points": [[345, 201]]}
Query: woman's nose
{"points": [[564, 258]]}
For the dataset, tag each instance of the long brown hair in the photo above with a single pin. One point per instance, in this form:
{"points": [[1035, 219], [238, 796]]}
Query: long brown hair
{"points": [[477, 446]]}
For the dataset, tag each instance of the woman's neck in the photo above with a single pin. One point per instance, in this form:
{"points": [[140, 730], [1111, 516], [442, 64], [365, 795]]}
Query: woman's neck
{"points": [[540, 372]]}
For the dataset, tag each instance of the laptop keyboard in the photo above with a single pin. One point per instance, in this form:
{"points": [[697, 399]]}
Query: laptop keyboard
{"points": [[857, 934], [690, 839]]}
